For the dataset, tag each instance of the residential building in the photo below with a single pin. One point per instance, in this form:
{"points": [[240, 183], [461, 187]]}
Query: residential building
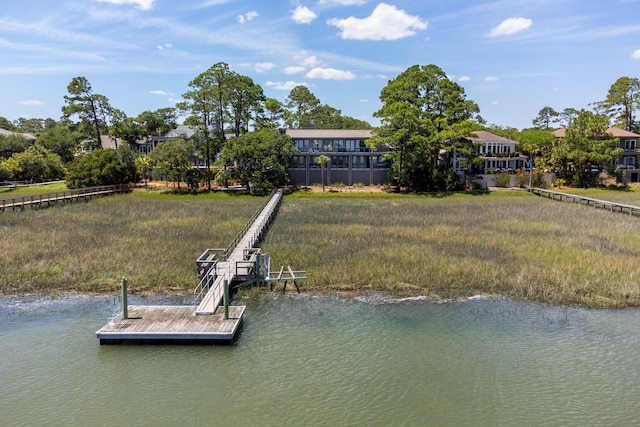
{"points": [[182, 130], [498, 154], [350, 160], [26, 136], [629, 159]]}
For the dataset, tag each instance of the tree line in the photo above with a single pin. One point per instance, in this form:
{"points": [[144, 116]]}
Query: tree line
{"points": [[219, 103], [587, 147], [425, 121]]}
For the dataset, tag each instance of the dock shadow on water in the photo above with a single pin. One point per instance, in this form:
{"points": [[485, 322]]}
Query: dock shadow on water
{"points": [[302, 360]]}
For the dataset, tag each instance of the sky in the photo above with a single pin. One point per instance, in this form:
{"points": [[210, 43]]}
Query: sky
{"points": [[512, 57]]}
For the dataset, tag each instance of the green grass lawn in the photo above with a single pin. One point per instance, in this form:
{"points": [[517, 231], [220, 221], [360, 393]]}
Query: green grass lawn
{"points": [[32, 189], [628, 196]]}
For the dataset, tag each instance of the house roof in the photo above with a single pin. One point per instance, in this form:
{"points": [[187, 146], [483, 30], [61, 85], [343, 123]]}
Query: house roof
{"points": [[484, 136], [616, 132], [28, 136], [186, 130], [329, 133], [107, 141]]}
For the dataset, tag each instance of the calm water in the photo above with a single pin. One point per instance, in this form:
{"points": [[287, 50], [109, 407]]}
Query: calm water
{"points": [[313, 361]]}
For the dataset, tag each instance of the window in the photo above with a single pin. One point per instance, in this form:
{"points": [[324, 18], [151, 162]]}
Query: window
{"points": [[298, 162], [302, 144], [339, 162], [360, 162]]}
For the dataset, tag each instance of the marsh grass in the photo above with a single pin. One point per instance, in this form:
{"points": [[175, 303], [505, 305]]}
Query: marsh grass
{"points": [[508, 243], [151, 238], [448, 245]]}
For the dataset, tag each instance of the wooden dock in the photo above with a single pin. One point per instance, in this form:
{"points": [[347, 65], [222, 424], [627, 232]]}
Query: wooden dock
{"points": [[154, 324], [588, 201], [236, 263], [38, 201], [209, 322]]}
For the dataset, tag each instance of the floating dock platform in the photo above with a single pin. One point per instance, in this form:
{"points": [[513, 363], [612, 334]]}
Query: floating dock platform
{"points": [[174, 324]]}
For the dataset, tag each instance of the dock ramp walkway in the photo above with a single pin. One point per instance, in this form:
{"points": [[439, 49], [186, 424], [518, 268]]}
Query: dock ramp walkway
{"points": [[218, 268]]}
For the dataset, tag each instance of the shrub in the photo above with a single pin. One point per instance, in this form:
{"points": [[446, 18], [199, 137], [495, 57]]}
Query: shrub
{"points": [[5, 172], [503, 180], [538, 180], [103, 167]]}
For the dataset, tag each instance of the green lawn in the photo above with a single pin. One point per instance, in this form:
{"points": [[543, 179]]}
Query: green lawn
{"points": [[32, 189]]}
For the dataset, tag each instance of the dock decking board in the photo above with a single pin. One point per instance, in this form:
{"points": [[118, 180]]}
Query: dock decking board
{"points": [[172, 323]]}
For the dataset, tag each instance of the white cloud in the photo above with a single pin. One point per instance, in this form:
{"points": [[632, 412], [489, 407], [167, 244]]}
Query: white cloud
{"points": [[163, 46], [303, 15], [142, 4], [262, 67], [210, 3], [636, 54], [386, 22], [330, 74], [343, 2], [311, 61], [364, 101], [247, 17], [294, 69], [510, 26], [31, 103], [464, 79], [491, 79], [288, 85], [160, 92]]}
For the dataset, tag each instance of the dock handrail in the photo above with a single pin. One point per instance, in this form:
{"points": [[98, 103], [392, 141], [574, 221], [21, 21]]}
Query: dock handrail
{"points": [[39, 199], [560, 196], [240, 257], [250, 222]]}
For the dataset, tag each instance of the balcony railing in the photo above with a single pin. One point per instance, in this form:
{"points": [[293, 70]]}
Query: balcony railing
{"points": [[330, 149]]}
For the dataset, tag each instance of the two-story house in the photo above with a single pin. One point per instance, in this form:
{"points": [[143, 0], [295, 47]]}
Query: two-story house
{"points": [[497, 154], [630, 156], [350, 160]]}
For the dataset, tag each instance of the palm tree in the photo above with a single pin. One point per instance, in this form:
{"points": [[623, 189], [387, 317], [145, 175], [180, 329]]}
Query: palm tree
{"points": [[143, 163], [322, 160]]}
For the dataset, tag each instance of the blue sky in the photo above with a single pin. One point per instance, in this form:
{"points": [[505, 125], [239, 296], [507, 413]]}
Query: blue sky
{"points": [[513, 57]]}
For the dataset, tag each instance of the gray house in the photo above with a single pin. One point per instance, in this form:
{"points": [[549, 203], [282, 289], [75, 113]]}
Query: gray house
{"points": [[350, 160]]}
